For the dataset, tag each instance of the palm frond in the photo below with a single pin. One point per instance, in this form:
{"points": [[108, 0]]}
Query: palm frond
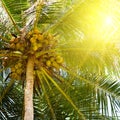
{"points": [[107, 91], [48, 13], [87, 50], [63, 93], [96, 57], [9, 15], [5, 23], [83, 95], [10, 107], [14, 10], [47, 99]]}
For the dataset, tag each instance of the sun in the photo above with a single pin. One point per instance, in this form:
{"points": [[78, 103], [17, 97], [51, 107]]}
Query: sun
{"points": [[108, 20], [101, 20]]}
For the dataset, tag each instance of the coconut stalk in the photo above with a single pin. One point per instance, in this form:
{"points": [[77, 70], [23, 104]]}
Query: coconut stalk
{"points": [[28, 92]]}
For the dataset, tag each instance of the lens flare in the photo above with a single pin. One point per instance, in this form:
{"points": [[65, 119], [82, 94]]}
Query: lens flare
{"points": [[100, 20]]}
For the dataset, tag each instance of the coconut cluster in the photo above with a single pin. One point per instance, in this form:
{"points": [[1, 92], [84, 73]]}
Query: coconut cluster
{"points": [[54, 61], [17, 66], [17, 71], [41, 41], [16, 44], [41, 45]]}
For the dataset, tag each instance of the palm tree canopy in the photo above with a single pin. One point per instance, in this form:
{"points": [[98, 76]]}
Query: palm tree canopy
{"points": [[88, 40]]}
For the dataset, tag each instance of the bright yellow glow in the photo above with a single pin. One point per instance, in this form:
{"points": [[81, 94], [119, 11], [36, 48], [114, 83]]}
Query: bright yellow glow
{"points": [[100, 19], [108, 20]]}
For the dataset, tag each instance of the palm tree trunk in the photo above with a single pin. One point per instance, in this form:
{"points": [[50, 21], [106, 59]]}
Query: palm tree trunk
{"points": [[28, 93]]}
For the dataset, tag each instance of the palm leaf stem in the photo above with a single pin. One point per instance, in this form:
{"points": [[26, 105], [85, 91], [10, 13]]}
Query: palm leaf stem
{"points": [[13, 53], [47, 82], [46, 96], [65, 15], [55, 75], [60, 79], [65, 95], [44, 52], [38, 10], [10, 16], [7, 89], [4, 39]]}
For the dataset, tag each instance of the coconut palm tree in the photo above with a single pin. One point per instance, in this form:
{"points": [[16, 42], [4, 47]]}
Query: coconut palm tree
{"points": [[51, 50]]}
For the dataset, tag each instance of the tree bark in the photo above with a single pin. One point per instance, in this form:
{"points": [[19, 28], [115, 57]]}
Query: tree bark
{"points": [[28, 92]]}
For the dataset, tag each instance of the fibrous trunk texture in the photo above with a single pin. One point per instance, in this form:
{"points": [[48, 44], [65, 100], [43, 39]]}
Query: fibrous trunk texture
{"points": [[28, 93]]}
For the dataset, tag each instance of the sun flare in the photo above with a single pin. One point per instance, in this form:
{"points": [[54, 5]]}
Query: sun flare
{"points": [[108, 20], [101, 20]]}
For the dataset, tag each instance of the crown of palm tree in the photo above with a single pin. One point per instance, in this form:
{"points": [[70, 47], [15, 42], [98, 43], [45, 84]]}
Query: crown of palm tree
{"points": [[76, 73]]}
